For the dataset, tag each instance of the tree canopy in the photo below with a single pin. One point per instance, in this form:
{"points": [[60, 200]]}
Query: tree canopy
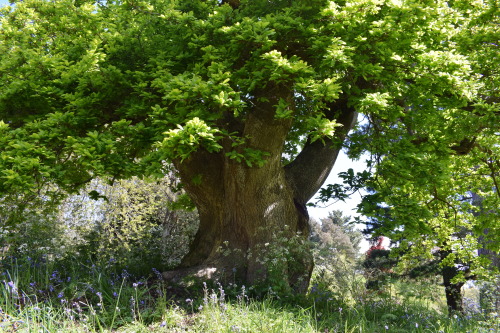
{"points": [[437, 186], [252, 100]]}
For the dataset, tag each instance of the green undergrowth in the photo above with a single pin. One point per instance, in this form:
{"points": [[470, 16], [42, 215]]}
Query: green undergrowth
{"points": [[42, 295]]}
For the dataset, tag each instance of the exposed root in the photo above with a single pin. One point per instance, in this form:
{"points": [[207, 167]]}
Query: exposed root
{"points": [[200, 273]]}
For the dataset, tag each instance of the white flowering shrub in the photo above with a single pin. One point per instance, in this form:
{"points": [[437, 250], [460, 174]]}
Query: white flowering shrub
{"points": [[283, 259]]}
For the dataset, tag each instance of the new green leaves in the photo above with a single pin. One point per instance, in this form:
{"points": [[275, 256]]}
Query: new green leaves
{"points": [[194, 135]]}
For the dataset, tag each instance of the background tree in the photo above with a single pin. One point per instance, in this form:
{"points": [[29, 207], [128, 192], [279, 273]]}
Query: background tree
{"points": [[336, 250], [337, 233], [417, 259], [251, 102], [423, 182], [378, 263]]}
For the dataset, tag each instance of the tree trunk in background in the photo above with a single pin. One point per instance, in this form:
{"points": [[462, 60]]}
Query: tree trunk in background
{"points": [[252, 218], [453, 291]]}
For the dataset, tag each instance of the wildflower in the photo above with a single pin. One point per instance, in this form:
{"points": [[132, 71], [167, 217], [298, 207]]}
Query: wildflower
{"points": [[115, 294], [11, 284], [135, 285], [340, 310], [416, 325], [99, 294], [222, 294], [158, 274], [386, 327], [125, 274], [163, 324], [60, 295], [200, 308], [189, 300]]}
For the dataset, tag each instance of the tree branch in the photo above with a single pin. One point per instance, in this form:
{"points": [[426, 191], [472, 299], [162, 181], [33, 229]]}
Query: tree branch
{"points": [[311, 167]]}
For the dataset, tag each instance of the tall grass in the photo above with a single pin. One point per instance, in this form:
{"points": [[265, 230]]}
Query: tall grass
{"points": [[74, 295]]}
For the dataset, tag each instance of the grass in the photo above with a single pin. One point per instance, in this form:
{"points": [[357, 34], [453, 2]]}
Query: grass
{"points": [[77, 296]]}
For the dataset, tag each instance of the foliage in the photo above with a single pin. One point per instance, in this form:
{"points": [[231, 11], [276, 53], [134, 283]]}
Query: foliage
{"points": [[133, 223], [31, 229], [425, 181], [87, 110]]}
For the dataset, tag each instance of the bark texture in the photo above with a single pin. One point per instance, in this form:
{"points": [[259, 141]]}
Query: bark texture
{"points": [[243, 209]]}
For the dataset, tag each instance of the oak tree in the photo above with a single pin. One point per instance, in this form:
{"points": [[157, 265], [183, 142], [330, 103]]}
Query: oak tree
{"points": [[250, 100]]}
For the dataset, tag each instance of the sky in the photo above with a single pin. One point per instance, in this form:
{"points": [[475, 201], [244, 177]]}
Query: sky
{"points": [[348, 207]]}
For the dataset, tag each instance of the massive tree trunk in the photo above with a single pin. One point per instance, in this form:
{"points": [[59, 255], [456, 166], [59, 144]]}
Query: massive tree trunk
{"points": [[248, 213]]}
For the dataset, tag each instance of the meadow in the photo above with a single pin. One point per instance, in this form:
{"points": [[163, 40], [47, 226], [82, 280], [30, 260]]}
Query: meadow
{"points": [[72, 294]]}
